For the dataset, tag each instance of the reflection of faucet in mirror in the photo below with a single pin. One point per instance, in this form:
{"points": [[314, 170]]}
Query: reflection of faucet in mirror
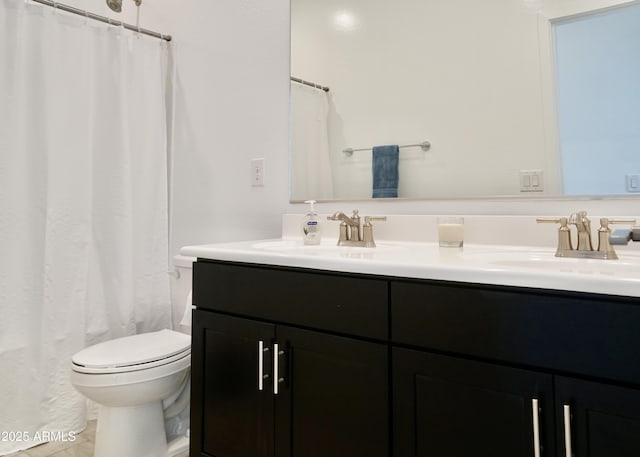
{"points": [[351, 234]]}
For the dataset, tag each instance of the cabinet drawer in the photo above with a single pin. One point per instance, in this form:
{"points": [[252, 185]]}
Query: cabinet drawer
{"points": [[586, 334], [332, 302]]}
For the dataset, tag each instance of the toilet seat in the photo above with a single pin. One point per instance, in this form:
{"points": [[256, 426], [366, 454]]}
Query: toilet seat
{"points": [[133, 353]]}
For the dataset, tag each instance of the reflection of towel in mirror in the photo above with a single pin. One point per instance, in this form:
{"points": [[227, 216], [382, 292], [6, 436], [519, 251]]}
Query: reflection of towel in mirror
{"points": [[384, 164]]}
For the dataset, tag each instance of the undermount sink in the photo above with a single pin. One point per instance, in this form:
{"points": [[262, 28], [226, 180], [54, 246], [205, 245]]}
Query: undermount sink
{"points": [[287, 245], [296, 246], [475, 256], [544, 260]]}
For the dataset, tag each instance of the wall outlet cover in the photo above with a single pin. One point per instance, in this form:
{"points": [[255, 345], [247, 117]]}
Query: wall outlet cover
{"points": [[633, 183]]}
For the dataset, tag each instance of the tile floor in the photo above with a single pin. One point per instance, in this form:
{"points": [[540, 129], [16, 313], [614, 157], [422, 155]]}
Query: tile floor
{"points": [[81, 447]]}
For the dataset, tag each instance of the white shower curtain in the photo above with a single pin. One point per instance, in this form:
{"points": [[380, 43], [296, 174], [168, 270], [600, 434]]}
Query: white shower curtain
{"points": [[83, 206], [311, 176]]}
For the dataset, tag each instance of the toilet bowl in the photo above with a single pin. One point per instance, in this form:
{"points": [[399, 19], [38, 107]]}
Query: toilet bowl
{"points": [[131, 379]]}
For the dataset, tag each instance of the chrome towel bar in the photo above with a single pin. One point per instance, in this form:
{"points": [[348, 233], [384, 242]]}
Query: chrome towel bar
{"points": [[425, 145]]}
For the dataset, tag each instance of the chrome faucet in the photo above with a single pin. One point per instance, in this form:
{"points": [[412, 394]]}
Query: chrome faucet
{"points": [[585, 250], [351, 233]]}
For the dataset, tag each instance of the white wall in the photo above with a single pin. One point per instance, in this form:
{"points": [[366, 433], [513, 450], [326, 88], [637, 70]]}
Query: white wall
{"points": [[231, 105], [233, 86]]}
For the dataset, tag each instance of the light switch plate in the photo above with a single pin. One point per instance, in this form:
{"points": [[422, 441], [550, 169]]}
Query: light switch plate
{"points": [[257, 172], [531, 181]]}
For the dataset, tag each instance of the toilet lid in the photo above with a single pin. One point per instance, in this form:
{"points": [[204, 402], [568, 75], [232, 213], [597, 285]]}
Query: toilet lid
{"points": [[134, 350]]}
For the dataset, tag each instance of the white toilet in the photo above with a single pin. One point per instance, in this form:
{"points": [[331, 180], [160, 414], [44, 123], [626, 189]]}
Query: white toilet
{"points": [[138, 380]]}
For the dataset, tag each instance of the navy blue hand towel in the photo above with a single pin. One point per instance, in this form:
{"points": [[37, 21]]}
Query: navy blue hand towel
{"points": [[385, 171]]}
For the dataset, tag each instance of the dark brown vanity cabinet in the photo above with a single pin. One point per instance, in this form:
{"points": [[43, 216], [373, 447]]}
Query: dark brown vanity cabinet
{"points": [[449, 407], [496, 371], [377, 366], [288, 363], [230, 415], [604, 419]]}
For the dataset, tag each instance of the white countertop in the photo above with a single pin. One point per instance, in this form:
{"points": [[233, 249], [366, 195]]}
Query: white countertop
{"points": [[521, 266]]}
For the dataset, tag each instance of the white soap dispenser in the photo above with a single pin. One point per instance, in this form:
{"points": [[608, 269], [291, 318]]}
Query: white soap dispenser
{"points": [[311, 229]]}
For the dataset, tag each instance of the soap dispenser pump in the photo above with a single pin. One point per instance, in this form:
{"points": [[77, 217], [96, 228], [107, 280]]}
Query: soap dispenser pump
{"points": [[311, 230]]}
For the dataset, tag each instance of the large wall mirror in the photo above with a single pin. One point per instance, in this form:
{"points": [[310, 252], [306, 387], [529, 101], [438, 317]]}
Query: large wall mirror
{"points": [[515, 97]]}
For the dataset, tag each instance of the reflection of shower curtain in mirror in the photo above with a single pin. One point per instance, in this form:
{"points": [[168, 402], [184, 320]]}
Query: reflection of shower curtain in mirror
{"points": [[310, 162], [83, 207]]}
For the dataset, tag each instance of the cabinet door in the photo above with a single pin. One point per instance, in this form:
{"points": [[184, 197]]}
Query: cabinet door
{"points": [[604, 420], [334, 399], [449, 407], [230, 416]]}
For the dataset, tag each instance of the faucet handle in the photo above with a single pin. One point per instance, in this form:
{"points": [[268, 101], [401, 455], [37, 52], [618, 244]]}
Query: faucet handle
{"points": [[367, 230], [564, 234], [605, 239], [605, 221], [369, 219], [563, 221]]}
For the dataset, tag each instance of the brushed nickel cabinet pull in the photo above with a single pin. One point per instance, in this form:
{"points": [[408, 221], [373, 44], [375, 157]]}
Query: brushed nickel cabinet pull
{"points": [[261, 375], [276, 368], [535, 411], [276, 379], [567, 431]]}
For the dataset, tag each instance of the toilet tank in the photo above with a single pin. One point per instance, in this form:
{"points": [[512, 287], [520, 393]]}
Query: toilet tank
{"points": [[181, 280]]}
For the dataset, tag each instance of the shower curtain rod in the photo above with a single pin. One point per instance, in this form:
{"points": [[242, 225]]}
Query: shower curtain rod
{"points": [[106, 20], [308, 83]]}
